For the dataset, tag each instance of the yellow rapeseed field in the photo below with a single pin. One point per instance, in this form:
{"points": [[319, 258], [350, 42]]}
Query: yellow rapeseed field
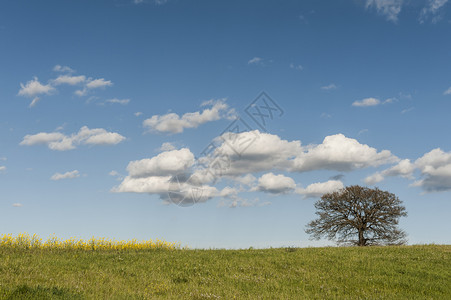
{"points": [[27, 241]]}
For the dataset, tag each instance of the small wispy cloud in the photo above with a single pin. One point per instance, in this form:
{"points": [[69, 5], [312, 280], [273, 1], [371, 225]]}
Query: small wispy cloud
{"points": [[59, 68], [432, 10], [373, 102], [138, 113], [389, 8], [329, 87], [118, 101], [67, 175], [255, 61], [448, 91], [407, 110], [366, 102], [17, 205], [296, 67], [34, 102]]}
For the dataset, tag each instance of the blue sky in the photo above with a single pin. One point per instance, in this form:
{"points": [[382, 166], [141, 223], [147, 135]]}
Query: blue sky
{"points": [[106, 103]]}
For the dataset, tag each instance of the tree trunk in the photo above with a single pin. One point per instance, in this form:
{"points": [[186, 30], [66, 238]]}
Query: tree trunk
{"points": [[361, 238]]}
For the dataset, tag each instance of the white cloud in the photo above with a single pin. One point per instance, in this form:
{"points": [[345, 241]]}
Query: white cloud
{"points": [[167, 147], [247, 180], [166, 163], [98, 83], [176, 171], [68, 79], [114, 173], [331, 86], [17, 205], [34, 102], [118, 101], [340, 153], [389, 8], [448, 91], [432, 9], [3, 158], [138, 113], [407, 110], [435, 167], [404, 169], [59, 68], [367, 102], [67, 175], [34, 87], [266, 152], [61, 142], [254, 61], [318, 189], [93, 84], [374, 178], [275, 184], [2, 168], [173, 123]]}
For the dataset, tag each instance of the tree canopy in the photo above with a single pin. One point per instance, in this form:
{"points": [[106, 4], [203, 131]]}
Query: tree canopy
{"points": [[359, 216]]}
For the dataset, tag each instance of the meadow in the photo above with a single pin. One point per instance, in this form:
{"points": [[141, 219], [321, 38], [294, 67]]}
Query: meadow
{"points": [[162, 270]]}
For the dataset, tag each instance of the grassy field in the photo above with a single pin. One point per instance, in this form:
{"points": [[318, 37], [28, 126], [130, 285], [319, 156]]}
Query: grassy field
{"points": [[409, 272]]}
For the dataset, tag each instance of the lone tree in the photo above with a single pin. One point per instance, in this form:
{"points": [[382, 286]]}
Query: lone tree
{"points": [[359, 216]]}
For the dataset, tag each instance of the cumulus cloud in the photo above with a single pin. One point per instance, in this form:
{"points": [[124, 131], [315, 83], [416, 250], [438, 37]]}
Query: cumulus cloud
{"points": [[68, 79], [168, 176], [267, 152], [33, 88], [178, 173], [340, 153], [85, 136], [435, 167], [432, 10], [389, 8], [275, 184], [374, 178], [263, 152], [318, 189], [173, 123], [68, 175], [366, 102], [166, 163], [404, 169]]}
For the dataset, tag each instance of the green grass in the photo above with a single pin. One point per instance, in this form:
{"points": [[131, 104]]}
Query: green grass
{"points": [[409, 272]]}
